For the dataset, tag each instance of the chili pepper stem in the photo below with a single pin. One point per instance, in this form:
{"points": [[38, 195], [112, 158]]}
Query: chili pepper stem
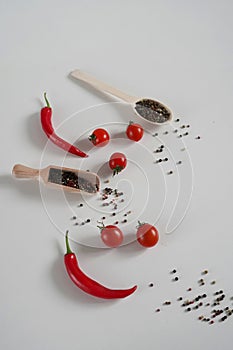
{"points": [[68, 250], [46, 100]]}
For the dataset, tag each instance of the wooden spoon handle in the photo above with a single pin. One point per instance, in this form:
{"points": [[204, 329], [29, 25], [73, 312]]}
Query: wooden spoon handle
{"points": [[24, 172], [99, 85]]}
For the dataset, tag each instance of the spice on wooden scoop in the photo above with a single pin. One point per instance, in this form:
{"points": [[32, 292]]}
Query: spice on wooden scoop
{"points": [[72, 180], [151, 110]]}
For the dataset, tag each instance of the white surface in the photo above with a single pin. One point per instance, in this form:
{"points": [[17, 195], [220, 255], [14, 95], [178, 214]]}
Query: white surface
{"points": [[177, 51]]}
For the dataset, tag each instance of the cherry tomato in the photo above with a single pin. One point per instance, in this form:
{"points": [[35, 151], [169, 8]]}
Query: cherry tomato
{"points": [[134, 131], [99, 137], [147, 235], [111, 235], [117, 162]]}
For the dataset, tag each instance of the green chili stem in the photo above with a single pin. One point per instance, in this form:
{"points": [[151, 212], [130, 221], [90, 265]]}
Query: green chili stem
{"points": [[46, 100], [68, 250]]}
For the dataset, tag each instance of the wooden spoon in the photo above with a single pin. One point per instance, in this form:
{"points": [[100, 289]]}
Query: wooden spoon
{"points": [[71, 180], [151, 110]]}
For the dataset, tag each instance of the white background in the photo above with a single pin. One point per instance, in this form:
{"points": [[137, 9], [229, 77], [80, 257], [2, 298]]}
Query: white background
{"points": [[177, 51]]}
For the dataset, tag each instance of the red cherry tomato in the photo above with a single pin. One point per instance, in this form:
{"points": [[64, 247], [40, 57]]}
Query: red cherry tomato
{"points": [[147, 235], [111, 235], [117, 162], [99, 137], [134, 131]]}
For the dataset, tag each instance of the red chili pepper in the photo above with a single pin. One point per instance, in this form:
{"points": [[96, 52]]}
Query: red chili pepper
{"points": [[87, 284], [46, 122]]}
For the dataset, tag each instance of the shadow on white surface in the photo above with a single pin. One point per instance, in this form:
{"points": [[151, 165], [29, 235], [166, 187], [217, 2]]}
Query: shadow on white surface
{"points": [[66, 287], [35, 132], [28, 188]]}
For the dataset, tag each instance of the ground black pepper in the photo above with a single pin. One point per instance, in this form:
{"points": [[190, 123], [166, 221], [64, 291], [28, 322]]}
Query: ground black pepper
{"points": [[71, 179], [152, 111]]}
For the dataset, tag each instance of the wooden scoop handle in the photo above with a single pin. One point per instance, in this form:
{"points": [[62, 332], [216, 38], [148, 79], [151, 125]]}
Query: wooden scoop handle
{"points": [[99, 85], [24, 172]]}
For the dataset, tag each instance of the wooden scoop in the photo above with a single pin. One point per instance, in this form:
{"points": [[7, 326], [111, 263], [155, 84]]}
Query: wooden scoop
{"points": [[71, 180], [153, 111]]}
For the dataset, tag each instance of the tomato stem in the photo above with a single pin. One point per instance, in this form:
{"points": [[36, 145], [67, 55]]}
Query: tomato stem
{"points": [[101, 227], [140, 224], [92, 137], [117, 170]]}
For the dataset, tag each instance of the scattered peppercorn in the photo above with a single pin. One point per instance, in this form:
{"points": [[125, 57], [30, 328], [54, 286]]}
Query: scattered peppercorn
{"points": [[176, 279], [151, 285], [103, 218], [212, 282], [189, 289], [165, 133], [81, 205], [116, 222], [198, 138], [157, 310], [204, 272], [165, 159], [180, 298], [124, 221], [188, 309], [179, 162], [74, 218], [173, 271], [88, 220], [177, 120], [170, 172]]}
